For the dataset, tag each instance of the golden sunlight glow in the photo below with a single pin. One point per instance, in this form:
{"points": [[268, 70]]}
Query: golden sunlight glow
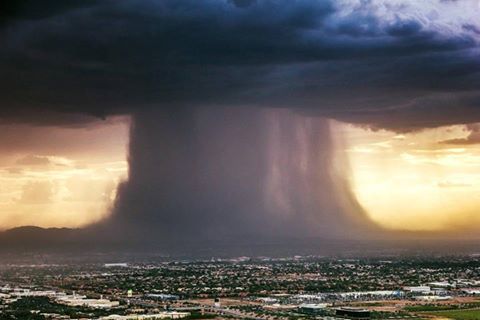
{"points": [[427, 180], [60, 177]]}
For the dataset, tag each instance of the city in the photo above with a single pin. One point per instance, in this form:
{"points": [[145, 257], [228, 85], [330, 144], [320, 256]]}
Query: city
{"points": [[246, 288]]}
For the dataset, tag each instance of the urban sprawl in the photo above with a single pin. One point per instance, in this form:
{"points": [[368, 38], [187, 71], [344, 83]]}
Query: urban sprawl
{"points": [[246, 288]]}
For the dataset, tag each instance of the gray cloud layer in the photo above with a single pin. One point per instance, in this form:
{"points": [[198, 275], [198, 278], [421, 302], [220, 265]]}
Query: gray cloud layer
{"points": [[390, 64]]}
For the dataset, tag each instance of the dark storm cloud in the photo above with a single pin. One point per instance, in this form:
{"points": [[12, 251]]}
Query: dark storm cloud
{"points": [[243, 3], [12, 10], [109, 57]]}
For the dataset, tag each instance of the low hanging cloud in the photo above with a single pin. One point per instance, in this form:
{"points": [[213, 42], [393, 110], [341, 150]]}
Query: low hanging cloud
{"points": [[473, 136]]}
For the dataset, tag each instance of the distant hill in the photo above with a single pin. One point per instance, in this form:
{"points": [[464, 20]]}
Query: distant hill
{"points": [[30, 237], [92, 241], [96, 244], [35, 231]]}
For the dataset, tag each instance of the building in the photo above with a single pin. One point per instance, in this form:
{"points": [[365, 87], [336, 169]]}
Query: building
{"points": [[81, 301], [116, 265], [312, 308], [19, 292], [162, 296], [381, 294], [267, 300], [418, 289], [433, 298], [352, 313], [441, 284], [161, 315], [467, 283], [471, 291]]}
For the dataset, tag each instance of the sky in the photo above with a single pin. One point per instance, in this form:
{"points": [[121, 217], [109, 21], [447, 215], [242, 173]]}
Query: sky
{"points": [[60, 176], [418, 181], [187, 121]]}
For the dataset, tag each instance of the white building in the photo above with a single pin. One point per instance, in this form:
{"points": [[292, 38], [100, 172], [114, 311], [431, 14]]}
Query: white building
{"points": [[472, 291], [161, 315], [467, 282], [267, 300], [440, 284], [418, 289], [81, 301], [433, 298], [116, 265], [378, 294], [20, 292], [313, 306]]}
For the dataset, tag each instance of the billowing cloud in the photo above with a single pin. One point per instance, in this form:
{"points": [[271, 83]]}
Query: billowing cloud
{"points": [[392, 64], [473, 136]]}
